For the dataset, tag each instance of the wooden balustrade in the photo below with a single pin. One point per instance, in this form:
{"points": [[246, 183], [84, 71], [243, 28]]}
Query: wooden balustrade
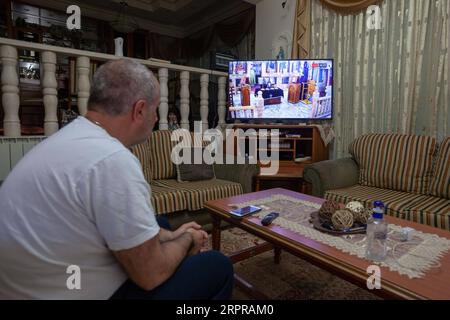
{"points": [[10, 85], [83, 70], [50, 92], [204, 97], [184, 100], [221, 103], [163, 74], [10, 91]]}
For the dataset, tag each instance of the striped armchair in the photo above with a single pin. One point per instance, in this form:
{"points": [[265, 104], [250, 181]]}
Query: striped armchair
{"points": [[169, 195], [411, 174]]}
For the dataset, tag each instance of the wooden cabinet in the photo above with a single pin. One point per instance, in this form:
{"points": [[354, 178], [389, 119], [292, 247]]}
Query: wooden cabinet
{"points": [[297, 145]]}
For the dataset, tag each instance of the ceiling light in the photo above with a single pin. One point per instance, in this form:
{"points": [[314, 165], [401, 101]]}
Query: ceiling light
{"points": [[124, 22]]}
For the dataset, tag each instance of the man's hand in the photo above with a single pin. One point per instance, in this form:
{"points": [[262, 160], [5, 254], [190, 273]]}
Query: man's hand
{"points": [[161, 257], [184, 228], [198, 237], [166, 235]]}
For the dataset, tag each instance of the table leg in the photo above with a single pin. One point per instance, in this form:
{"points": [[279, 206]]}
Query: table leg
{"points": [[258, 187], [304, 187], [277, 255], [215, 233]]}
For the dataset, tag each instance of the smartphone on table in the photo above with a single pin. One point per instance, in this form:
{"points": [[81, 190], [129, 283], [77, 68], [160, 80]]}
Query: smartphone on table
{"points": [[242, 212]]}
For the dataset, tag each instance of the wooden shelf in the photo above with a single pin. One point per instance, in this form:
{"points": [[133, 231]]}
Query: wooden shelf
{"points": [[271, 126], [280, 138], [277, 150], [309, 144]]}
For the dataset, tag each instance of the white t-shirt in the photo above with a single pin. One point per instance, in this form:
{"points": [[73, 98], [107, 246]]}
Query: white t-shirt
{"points": [[71, 200]]}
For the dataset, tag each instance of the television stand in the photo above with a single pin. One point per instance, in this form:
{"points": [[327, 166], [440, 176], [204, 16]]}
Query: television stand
{"points": [[286, 177], [298, 146], [295, 142]]}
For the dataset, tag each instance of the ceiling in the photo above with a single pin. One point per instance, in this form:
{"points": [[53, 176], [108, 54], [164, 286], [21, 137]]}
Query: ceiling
{"points": [[178, 18], [180, 13]]}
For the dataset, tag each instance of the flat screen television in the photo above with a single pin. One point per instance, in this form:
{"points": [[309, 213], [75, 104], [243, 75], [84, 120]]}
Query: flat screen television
{"points": [[287, 90]]}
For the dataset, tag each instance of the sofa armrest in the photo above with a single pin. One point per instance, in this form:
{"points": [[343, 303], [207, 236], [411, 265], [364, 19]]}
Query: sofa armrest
{"points": [[333, 174], [239, 173]]}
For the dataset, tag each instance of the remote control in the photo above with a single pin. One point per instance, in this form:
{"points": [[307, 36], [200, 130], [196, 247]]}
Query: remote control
{"points": [[267, 220]]}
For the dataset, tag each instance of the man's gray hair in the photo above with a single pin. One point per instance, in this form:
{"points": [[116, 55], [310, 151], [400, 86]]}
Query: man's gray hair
{"points": [[118, 84]]}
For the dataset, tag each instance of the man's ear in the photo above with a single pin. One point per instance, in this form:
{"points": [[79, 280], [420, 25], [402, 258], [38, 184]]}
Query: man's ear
{"points": [[138, 110]]}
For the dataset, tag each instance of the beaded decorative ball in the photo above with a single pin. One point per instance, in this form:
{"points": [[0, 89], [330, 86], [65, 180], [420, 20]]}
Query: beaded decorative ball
{"points": [[327, 210], [363, 216], [356, 207], [342, 219]]}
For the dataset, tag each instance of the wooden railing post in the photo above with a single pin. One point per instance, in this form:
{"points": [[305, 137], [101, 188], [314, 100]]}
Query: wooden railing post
{"points": [[204, 97], [10, 91], [184, 100], [83, 70], [50, 93], [221, 107], [163, 74]]}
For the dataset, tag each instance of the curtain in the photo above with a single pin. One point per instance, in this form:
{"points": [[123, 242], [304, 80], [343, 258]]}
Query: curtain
{"points": [[395, 79], [349, 6], [302, 27], [164, 47]]}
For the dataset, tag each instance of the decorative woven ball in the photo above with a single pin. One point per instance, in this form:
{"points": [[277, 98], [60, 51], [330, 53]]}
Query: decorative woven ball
{"points": [[355, 207], [363, 217], [342, 219], [327, 210]]}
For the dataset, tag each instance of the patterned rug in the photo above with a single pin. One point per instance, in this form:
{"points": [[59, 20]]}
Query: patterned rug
{"points": [[292, 279]]}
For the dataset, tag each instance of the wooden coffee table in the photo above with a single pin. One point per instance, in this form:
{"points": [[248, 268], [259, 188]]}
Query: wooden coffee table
{"points": [[435, 285]]}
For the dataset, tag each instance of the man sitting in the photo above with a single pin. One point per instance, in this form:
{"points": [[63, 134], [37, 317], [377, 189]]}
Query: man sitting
{"points": [[79, 202]]}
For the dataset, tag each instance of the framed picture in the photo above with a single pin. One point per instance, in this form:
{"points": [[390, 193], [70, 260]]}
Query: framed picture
{"points": [[29, 72]]}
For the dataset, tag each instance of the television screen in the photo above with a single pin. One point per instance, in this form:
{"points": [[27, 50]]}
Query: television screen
{"points": [[281, 89]]}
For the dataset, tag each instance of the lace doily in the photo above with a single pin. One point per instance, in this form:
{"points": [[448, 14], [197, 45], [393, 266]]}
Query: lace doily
{"points": [[413, 258]]}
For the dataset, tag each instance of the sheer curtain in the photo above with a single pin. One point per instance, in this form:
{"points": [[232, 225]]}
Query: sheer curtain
{"points": [[395, 79]]}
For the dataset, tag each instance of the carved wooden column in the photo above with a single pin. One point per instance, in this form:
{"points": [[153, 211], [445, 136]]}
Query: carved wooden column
{"points": [[83, 81], [221, 108], [10, 91], [204, 96], [302, 29], [164, 104], [50, 93], [184, 100]]}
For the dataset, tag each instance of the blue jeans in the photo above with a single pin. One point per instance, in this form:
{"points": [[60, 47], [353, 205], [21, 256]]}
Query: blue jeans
{"points": [[204, 276]]}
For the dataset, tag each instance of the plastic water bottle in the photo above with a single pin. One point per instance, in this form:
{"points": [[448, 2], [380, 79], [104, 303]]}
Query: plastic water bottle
{"points": [[377, 230]]}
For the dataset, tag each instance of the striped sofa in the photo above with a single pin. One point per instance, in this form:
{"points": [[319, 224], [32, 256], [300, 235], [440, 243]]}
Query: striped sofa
{"points": [[411, 174], [169, 195]]}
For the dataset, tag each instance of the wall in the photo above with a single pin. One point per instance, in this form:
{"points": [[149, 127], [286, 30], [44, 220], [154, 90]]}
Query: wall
{"points": [[274, 27]]}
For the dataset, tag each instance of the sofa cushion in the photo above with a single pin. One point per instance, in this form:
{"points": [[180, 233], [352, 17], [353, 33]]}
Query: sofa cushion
{"points": [[396, 162], [199, 192], [395, 201], [165, 200], [142, 152], [430, 210], [155, 153], [192, 171], [440, 183], [160, 151], [195, 172]]}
